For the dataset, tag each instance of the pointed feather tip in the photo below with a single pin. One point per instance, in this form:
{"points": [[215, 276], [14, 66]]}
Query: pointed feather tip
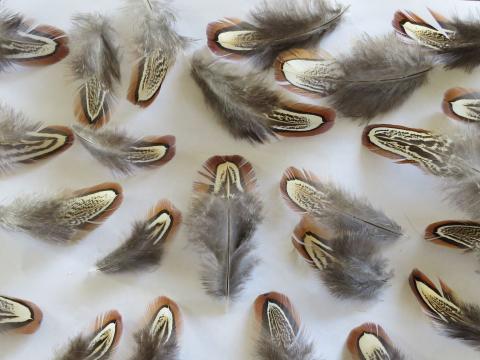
{"points": [[417, 277], [166, 206], [356, 334], [214, 29], [308, 225], [168, 141], [81, 113], [158, 304], [293, 174], [63, 131], [261, 302], [104, 320], [36, 318], [432, 233], [456, 94]]}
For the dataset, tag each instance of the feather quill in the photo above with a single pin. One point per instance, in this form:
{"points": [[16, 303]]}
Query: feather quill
{"points": [[370, 342], [335, 208], [249, 109], [62, 218], [274, 26], [222, 222], [453, 317], [456, 43], [379, 75], [100, 343], [23, 141], [123, 154], [95, 64], [23, 43], [158, 340], [462, 104], [456, 234], [146, 245], [280, 333], [157, 46], [20, 316], [347, 262]]}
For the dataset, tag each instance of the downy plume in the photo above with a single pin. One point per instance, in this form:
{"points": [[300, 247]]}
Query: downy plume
{"points": [[453, 317], [20, 316], [124, 154], [456, 43], [23, 43], [23, 141], [348, 262], [280, 334], [222, 222], [379, 75], [99, 344], [462, 104], [249, 108], [335, 208], [63, 218], [95, 64], [158, 340], [370, 342], [156, 45], [453, 159], [274, 26], [146, 245]]}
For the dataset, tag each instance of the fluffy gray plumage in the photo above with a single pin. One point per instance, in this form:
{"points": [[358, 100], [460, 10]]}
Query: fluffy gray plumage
{"points": [[379, 75], [10, 25], [149, 348], [283, 24], [76, 350], [468, 328], [301, 349], [221, 230]]}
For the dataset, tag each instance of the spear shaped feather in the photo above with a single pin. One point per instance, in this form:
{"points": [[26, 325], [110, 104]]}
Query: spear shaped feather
{"points": [[19, 315], [462, 104], [222, 221]]}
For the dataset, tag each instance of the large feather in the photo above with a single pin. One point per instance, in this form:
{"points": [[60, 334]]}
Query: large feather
{"points": [[23, 142], [156, 44], [222, 222], [19, 315], [95, 65], [452, 316], [249, 109], [62, 218], [146, 245], [456, 42], [280, 335], [99, 344], [379, 75], [348, 263], [124, 154], [462, 104], [23, 43], [158, 340], [274, 26], [335, 208], [370, 342]]}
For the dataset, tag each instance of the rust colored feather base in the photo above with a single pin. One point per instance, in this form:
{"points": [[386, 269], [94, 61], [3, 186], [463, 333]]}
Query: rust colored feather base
{"points": [[462, 104], [20, 316]]}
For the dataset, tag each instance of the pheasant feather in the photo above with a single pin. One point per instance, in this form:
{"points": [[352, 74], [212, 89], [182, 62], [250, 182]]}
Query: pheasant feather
{"points": [[19, 315]]}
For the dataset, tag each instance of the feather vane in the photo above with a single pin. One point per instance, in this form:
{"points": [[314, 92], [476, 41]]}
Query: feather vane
{"points": [[19, 315]]}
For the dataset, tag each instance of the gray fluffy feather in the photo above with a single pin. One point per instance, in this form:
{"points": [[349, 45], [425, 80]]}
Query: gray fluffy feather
{"points": [[283, 24], [468, 328], [209, 226], [379, 75], [241, 100], [10, 25], [76, 350], [301, 349], [149, 348]]}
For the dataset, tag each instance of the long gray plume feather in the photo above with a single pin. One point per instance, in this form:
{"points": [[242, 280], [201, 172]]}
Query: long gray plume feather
{"points": [[301, 349], [226, 265], [149, 348]]}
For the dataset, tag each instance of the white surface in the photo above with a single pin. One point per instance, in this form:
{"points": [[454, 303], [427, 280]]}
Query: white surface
{"points": [[57, 279]]}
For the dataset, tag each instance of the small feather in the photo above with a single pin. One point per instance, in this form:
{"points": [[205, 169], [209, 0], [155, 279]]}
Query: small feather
{"points": [[124, 154], [146, 245], [20, 316], [455, 234], [95, 64], [99, 344], [222, 222], [62, 218], [452, 316], [23, 141], [462, 104], [249, 109]]}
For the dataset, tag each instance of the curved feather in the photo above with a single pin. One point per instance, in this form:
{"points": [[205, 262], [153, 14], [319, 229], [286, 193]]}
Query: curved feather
{"points": [[24, 142], [462, 104], [62, 218], [456, 234], [249, 109], [222, 222], [124, 154], [378, 75], [280, 334], [19, 315], [100, 343], [95, 64], [452, 316], [146, 245], [274, 26]]}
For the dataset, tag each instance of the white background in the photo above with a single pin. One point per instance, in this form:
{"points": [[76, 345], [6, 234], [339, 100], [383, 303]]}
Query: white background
{"points": [[57, 278]]}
